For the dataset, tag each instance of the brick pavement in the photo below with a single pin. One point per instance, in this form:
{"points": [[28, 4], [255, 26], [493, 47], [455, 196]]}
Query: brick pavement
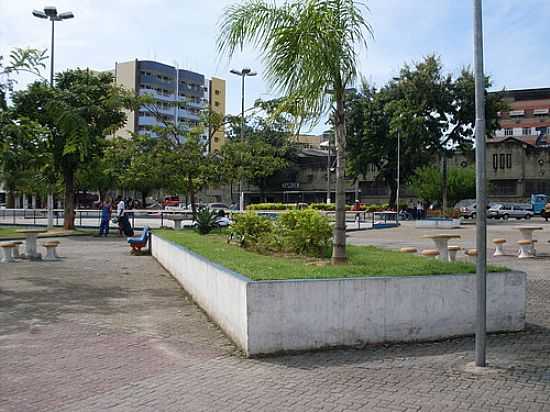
{"points": [[104, 331]]}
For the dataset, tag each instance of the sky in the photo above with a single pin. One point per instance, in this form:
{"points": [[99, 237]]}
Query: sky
{"points": [[184, 32]]}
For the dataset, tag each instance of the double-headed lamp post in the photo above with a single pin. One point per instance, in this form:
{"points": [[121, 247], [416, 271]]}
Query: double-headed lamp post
{"points": [[50, 12], [245, 72]]}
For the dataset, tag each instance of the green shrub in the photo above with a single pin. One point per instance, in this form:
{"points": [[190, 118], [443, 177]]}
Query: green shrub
{"points": [[250, 227], [323, 206], [271, 206], [306, 232], [206, 220]]}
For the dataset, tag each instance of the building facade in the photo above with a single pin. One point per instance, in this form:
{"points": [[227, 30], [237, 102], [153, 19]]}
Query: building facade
{"points": [[518, 155], [179, 96], [518, 160]]}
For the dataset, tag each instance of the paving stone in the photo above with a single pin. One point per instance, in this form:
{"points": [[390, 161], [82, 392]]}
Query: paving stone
{"points": [[104, 331]]}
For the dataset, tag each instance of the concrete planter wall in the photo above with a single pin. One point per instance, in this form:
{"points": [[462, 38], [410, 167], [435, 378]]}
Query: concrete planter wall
{"points": [[272, 316]]}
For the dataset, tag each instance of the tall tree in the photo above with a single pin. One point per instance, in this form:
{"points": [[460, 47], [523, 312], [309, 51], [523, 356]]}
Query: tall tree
{"points": [[310, 49], [79, 112]]}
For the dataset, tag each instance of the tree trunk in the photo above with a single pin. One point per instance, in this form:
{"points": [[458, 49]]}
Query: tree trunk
{"points": [[444, 184], [144, 199], [69, 214], [392, 184], [10, 201], [339, 245]]}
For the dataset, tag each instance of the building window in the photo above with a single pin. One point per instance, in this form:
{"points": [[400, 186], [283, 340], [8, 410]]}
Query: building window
{"points": [[508, 132], [217, 92], [495, 161], [216, 104], [526, 131], [502, 162], [506, 187], [508, 161]]}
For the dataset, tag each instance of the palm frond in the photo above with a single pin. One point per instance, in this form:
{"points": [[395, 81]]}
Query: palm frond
{"points": [[307, 46]]}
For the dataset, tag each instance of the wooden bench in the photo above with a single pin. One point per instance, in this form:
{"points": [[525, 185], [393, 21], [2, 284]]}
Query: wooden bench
{"points": [[408, 250]]}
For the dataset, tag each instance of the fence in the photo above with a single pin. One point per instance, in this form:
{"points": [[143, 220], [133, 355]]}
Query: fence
{"points": [[160, 218]]}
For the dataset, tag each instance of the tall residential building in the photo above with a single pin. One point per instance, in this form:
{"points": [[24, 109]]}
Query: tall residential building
{"points": [[179, 96], [217, 104], [518, 156]]}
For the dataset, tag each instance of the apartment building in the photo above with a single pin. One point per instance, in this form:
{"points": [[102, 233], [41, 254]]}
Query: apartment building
{"points": [[179, 97], [518, 155]]}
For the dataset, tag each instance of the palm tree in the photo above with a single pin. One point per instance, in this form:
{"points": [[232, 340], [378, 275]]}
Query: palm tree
{"points": [[310, 50]]}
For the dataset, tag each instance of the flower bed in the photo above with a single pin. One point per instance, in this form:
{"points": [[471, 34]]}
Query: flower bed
{"points": [[302, 314]]}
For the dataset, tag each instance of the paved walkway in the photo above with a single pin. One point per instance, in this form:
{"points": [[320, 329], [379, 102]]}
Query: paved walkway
{"points": [[104, 331]]}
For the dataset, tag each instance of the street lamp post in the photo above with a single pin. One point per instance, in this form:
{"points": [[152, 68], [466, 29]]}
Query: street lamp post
{"points": [[50, 12], [398, 175], [243, 74], [481, 189]]}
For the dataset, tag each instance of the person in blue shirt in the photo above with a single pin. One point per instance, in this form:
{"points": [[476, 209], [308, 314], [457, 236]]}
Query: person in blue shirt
{"points": [[105, 218]]}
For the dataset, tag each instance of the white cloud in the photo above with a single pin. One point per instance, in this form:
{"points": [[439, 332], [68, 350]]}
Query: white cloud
{"points": [[184, 31]]}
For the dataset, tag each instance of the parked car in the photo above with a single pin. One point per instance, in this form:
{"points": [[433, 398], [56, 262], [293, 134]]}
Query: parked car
{"points": [[466, 208], [172, 201], [218, 206], [510, 210]]}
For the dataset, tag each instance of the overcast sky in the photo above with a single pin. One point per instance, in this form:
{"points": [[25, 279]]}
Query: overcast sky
{"points": [[183, 32]]}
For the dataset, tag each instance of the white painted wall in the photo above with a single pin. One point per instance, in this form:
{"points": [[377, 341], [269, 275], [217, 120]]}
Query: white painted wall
{"points": [[273, 316], [219, 292], [308, 314]]}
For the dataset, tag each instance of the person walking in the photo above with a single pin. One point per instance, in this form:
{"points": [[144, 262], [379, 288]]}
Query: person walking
{"points": [[546, 211], [106, 208], [420, 210], [120, 207]]}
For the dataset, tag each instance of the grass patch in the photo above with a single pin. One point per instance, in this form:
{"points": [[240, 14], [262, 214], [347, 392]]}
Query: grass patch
{"points": [[363, 261], [10, 232]]}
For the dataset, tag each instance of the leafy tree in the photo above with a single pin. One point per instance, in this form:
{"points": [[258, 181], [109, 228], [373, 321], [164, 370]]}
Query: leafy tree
{"points": [[79, 112], [432, 113], [426, 184], [20, 61], [310, 49]]}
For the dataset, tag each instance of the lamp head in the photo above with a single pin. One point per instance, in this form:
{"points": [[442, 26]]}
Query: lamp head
{"points": [[66, 15], [50, 11], [39, 14]]}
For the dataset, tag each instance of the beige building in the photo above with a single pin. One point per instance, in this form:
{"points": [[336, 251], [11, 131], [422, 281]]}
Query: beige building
{"points": [[180, 96], [217, 105]]}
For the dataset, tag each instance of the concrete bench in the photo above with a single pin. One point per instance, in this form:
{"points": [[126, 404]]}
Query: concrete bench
{"points": [[51, 253], [472, 254], [453, 250], [525, 247], [7, 252], [499, 247], [431, 253], [15, 251]]}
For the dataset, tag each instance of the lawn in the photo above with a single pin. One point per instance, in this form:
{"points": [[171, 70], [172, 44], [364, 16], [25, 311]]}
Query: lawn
{"points": [[363, 261], [9, 232]]}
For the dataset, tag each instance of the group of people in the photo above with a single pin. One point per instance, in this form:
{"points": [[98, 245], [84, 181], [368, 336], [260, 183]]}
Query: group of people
{"points": [[124, 226]]}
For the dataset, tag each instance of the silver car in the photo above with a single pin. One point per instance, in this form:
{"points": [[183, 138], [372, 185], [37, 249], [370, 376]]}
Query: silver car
{"points": [[510, 210]]}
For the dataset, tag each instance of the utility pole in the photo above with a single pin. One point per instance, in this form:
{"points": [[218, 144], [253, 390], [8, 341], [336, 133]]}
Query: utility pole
{"points": [[243, 74], [50, 12], [481, 190]]}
